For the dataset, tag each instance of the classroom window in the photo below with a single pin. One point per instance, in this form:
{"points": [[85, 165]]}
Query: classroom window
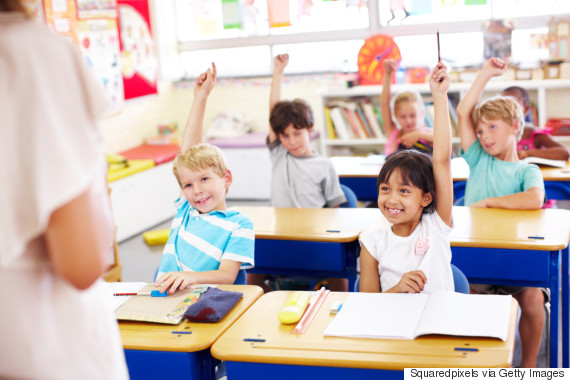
{"points": [[324, 35]]}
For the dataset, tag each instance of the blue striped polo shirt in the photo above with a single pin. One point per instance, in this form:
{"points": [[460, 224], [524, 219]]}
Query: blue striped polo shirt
{"points": [[199, 242]]}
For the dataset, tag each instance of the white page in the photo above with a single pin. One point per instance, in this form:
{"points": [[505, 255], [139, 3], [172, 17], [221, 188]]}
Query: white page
{"points": [[113, 302], [466, 315], [545, 161], [378, 315]]}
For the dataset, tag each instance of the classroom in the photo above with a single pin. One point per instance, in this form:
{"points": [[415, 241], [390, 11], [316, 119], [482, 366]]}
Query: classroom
{"points": [[306, 163]]}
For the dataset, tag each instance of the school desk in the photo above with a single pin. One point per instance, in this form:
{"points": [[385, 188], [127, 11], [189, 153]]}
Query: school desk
{"points": [[315, 242], [311, 355], [361, 174], [517, 247], [152, 350]]}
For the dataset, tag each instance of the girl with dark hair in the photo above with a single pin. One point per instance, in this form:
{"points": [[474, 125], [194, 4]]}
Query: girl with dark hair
{"points": [[416, 197]]}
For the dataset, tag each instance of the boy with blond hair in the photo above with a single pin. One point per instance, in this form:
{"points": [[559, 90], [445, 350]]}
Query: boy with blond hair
{"points": [[489, 133], [207, 243]]}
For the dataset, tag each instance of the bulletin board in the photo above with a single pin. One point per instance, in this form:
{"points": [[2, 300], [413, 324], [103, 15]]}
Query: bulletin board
{"points": [[139, 64]]}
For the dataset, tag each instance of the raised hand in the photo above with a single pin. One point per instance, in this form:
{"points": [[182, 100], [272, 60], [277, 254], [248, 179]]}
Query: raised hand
{"points": [[280, 61], [205, 81], [494, 67], [390, 65], [439, 79]]}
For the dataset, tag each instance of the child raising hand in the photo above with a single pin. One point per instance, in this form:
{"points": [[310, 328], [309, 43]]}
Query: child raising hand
{"points": [[415, 196], [407, 129]]}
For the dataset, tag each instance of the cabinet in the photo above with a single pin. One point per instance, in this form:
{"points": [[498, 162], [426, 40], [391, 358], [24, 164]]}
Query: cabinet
{"points": [[549, 97]]}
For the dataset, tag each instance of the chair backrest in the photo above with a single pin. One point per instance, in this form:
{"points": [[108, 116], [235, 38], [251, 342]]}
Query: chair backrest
{"points": [[459, 280], [351, 200]]}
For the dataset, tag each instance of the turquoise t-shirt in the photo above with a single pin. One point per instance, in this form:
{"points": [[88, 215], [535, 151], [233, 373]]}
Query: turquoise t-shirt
{"points": [[491, 177]]}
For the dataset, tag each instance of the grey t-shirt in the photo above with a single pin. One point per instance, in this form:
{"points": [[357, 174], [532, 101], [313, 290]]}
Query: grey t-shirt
{"points": [[309, 182]]}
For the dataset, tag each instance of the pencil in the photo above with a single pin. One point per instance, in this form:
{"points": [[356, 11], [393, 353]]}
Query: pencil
{"points": [[438, 53]]}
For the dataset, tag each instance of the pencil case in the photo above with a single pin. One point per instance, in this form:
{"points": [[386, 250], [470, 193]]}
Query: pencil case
{"points": [[294, 308], [212, 306]]}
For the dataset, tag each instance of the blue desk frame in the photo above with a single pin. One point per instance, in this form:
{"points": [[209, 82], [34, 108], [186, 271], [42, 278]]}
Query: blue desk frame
{"points": [[524, 268], [365, 188], [244, 371], [198, 365], [318, 259]]}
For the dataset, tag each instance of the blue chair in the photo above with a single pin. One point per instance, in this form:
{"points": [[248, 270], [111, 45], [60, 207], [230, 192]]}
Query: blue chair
{"points": [[241, 278], [459, 280], [351, 200]]}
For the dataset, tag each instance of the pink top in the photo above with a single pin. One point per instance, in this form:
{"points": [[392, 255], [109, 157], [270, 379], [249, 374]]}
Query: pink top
{"points": [[528, 144], [393, 142]]}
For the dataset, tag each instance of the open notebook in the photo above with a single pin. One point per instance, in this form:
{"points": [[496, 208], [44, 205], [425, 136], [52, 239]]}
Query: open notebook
{"points": [[407, 316]]}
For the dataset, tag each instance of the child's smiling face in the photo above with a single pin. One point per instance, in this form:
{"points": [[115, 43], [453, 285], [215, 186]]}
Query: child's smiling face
{"points": [[401, 204], [204, 189], [496, 136]]}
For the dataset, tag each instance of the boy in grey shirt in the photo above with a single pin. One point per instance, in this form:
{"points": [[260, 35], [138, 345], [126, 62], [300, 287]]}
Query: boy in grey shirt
{"points": [[300, 176]]}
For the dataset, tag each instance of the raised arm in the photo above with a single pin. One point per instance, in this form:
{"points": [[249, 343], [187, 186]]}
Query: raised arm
{"points": [[389, 67], [492, 67], [195, 124], [279, 63], [439, 81]]}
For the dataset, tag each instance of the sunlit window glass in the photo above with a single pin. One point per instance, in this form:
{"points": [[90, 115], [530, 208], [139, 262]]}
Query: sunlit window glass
{"points": [[407, 12], [245, 61], [334, 56]]}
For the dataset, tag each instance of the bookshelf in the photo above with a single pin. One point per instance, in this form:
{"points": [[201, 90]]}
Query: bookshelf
{"points": [[547, 96]]}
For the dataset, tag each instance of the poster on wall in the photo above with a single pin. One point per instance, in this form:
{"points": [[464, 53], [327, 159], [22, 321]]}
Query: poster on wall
{"points": [[96, 9], [99, 44], [138, 58]]}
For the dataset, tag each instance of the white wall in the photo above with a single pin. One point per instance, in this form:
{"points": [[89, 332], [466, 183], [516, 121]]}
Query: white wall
{"points": [[139, 117]]}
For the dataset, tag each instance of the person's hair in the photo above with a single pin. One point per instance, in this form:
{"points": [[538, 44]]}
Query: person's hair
{"points": [[297, 112], [12, 6], [518, 92], [505, 108], [200, 156], [406, 96], [416, 169]]}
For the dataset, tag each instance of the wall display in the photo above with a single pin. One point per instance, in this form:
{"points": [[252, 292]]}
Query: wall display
{"points": [[138, 58]]}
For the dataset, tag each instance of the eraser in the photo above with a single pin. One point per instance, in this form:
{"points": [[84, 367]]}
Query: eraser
{"points": [[157, 293]]}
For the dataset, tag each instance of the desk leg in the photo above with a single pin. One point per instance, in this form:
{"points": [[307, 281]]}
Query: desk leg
{"points": [[565, 309], [555, 306]]}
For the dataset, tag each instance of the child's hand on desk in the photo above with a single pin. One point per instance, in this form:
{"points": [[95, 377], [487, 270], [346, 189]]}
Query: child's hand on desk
{"points": [[411, 282], [172, 281], [483, 203]]}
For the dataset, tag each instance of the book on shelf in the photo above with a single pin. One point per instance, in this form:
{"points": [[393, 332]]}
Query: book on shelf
{"points": [[331, 133], [544, 161], [373, 120], [453, 118], [407, 316], [429, 114], [364, 121], [354, 122], [339, 122], [378, 114]]}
